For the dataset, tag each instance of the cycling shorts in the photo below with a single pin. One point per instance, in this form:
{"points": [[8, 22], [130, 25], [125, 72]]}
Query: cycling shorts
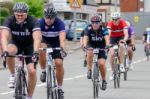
{"points": [[56, 53], [25, 50], [115, 40]]}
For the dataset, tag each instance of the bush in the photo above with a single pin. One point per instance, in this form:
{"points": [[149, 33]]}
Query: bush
{"points": [[4, 12], [2, 20], [7, 4]]}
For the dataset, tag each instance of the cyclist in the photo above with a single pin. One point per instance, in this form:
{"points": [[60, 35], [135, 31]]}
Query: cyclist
{"points": [[131, 44], [25, 38], [146, 38], [53, 33], [96, 36], [118, 32]]}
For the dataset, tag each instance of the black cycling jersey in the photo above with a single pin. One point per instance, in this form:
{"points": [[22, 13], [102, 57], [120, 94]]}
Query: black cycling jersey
{"points": [[21, 33], [96, 38]]}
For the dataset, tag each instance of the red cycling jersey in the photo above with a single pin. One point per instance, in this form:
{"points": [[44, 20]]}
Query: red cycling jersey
{"points": [[117, 30]]}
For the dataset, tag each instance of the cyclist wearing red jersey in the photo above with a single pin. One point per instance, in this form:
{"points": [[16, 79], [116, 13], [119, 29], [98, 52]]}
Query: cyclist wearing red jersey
{"points": [[118, 32]]}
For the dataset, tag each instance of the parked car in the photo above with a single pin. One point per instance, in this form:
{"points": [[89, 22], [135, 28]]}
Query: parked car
{"points": [[70, 28]]}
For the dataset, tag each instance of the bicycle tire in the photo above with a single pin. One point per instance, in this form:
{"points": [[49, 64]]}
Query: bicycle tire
{"points": [[51, 94], [19, 86], [84, 63], [95, 80], [95, 89], [126, 69], [116, 77]]}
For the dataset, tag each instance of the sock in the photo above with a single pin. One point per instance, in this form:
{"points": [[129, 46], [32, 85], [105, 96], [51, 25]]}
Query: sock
{"points": [[29, 97], [43, 70], [59, 87], [12, 75]]}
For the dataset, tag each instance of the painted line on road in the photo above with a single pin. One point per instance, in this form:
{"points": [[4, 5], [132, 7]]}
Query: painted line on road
{"points": [[71, 78]]}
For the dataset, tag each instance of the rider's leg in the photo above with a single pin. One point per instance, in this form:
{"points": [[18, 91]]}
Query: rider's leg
{"points": [[101, 63], [12, 49], [32, 78], [42, 61], [121, 57], [89, 63]]}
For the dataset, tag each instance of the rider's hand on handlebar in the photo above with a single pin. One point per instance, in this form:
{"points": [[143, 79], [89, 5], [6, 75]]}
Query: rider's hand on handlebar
{"points": [[35, 57], [5, 54]]}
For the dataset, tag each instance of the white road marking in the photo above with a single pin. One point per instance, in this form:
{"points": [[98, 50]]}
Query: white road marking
{"points": [[71, 78]]}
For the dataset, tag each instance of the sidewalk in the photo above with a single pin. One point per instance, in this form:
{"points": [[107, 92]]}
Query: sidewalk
{"points": [[70, 47]]}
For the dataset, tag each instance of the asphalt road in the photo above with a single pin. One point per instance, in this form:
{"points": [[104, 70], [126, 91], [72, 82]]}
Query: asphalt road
{"points": [[76, 85]]}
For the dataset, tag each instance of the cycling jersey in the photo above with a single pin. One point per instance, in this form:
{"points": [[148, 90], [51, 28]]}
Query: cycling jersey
{"points": [[50, 34], [130, 31], [117, 30], [96, 38], [21, 33], [147, 36]]}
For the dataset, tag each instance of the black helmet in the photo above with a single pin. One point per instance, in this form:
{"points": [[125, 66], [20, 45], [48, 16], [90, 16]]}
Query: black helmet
{"points": [[20, 7], [96, 18], [50, 12]]}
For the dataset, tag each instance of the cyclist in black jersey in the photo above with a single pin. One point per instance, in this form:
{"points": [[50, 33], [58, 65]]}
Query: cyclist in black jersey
{"points": [[25, 39], [96, 36]]}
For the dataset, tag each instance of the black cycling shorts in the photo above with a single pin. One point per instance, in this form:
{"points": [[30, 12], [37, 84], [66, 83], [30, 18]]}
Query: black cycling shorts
{"points": [[115, 40], [101, 54], [24, 49], [56, 53]]}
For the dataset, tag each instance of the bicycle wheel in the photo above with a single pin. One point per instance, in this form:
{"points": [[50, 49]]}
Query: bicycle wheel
{"points": [[116, 77], [126, 69], [147, 53], [51, 89], [85, 63], [19, 86], [95, 80]]}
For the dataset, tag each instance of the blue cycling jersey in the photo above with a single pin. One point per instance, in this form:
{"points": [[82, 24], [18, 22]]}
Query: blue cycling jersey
{"points": [[50, 34]]}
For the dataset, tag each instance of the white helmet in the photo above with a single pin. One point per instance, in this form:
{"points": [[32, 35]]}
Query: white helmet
{"points": [[147, 29], [116, 15]]}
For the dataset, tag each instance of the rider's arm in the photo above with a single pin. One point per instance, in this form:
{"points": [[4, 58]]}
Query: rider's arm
{"points": [[106, 36], [62, 38], [86, 37], [5, 35], [125, 31], [37, 35], [144, 37]]}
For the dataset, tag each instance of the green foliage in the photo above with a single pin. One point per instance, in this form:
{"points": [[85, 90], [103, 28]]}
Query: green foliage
{"points": [[35, 7], [4, 12], [7, 4], [2, 20]]}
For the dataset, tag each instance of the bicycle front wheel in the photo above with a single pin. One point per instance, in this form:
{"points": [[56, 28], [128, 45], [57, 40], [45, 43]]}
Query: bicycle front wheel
{"points": [[116, 77], [19, 86], [95, 89]]}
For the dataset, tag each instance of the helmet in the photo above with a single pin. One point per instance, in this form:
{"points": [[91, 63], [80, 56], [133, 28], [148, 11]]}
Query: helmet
{"points": [[50, 12], [95, 18], [20, 7], [147, 29], [116, 15]]}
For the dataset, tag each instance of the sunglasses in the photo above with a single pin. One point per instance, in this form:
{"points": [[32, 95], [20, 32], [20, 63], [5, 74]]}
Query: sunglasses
{"points": [[115, 19], [95, 22]]}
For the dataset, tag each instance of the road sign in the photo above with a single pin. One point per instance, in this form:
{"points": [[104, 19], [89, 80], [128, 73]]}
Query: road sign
{"points": [[75, 3]]}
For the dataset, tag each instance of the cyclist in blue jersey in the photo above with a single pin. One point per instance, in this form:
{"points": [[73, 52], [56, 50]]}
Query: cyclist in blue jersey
{"points": [[25, 34], [53, 35], [96, 36]]}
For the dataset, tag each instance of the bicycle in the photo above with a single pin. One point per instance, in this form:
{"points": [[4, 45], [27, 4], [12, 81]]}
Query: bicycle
{"points": [[21, 87], [147, 51], [96, 79], [52, 91], [116, 66], [84, 62], [126, 62]]}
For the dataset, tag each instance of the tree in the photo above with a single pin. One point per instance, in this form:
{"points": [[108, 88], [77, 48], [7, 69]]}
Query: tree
{"points": [[35, 7]]}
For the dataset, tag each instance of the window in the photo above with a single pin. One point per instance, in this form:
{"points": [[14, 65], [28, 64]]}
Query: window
{"points": [[104, 2]]}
